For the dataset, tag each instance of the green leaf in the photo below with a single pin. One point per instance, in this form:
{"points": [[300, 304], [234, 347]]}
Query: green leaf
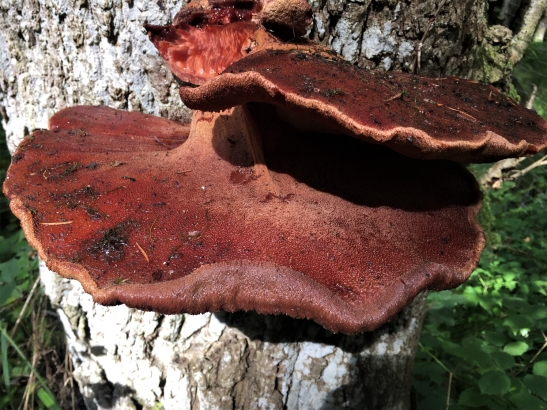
{"points": [[5, 364], [503, 360], [423, 388], [471, 397], [525, 401], [432, 402], [455, 349], [47, 400], [9, 270], [540, 312], [537, 385], [518, 322], [540, 368], [39, 378], [495, 338], [6, 291], [470, 352], [494, 382], [516, 348]]}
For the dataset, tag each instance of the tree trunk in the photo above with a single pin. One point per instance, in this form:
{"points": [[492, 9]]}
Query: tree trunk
{"points": [[232, 361], [56, 54]]}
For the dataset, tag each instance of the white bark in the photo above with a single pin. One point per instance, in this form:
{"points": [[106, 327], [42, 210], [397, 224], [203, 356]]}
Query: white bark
{"points": [[227, 361], [58, 53]]}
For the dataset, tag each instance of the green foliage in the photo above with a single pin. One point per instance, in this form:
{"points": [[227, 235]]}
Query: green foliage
{"points": [[24, 329], [489, 333], [531, 70]]}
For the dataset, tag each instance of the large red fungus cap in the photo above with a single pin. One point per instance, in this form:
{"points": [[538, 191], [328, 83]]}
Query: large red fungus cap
{"points": [[208, 36], [139, 217], [428, 118]]}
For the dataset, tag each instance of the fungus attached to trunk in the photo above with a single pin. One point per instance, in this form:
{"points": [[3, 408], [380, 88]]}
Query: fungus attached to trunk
{"points": [[206, 37], [306, 192], [355, 233], [428, 118]]}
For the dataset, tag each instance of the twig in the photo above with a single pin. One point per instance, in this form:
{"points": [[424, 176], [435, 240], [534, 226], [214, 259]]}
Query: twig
{"points": [[24, 358], [540, 162], [535, 356], [152, 227], [399, 95], [71, 373], [495, 172], [532, 98], [435, 358], [143, 252], [162, 143], [540, 350], [448, 393], [465, 115], [56, 223], [27, 301]]}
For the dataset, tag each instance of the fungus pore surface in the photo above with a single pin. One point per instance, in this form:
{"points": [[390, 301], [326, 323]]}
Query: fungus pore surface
{"points": [[146, 212]]}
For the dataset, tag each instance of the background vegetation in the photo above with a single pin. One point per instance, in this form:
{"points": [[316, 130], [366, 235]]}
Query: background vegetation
{"points": [[35, 371], [532, 70], [484, 344]]}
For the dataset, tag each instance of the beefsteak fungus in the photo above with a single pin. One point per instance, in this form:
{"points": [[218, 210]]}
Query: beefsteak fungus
{"points": [[303, 186]]}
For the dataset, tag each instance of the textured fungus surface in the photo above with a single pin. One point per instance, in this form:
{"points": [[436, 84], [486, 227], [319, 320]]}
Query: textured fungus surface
{"points": [[206, 37], [197, 54], [429, 118], [141, 218]]}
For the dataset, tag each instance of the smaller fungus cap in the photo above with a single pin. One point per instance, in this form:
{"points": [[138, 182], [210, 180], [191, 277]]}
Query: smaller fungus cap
{"points": [[207, 36], [428, 118], [140, 215]]}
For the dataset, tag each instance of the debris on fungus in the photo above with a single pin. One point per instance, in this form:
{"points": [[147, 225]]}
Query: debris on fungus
{"points": [[303, 186]]}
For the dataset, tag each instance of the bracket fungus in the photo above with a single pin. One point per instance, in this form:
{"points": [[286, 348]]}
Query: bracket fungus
{"points": [[303, 186], [207, 36]]}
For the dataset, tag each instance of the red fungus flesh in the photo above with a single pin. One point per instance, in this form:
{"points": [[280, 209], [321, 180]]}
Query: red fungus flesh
{"points": [[141, 217], [206, 37], [197, 54], [428, 118]]}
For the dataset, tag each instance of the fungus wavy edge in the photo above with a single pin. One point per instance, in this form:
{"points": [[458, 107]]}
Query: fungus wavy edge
{"points": [[228, 90], [199, 291]]}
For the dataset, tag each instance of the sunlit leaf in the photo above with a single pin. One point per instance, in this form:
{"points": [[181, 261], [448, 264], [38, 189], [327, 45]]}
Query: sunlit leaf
{"points": [[540, 368], [540, 312], [47, 400], [516, 348]]}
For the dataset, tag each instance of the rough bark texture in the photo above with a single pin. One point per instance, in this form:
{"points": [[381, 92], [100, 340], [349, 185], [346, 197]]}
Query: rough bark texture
{"points": [[58, 53], [226, 361]]}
